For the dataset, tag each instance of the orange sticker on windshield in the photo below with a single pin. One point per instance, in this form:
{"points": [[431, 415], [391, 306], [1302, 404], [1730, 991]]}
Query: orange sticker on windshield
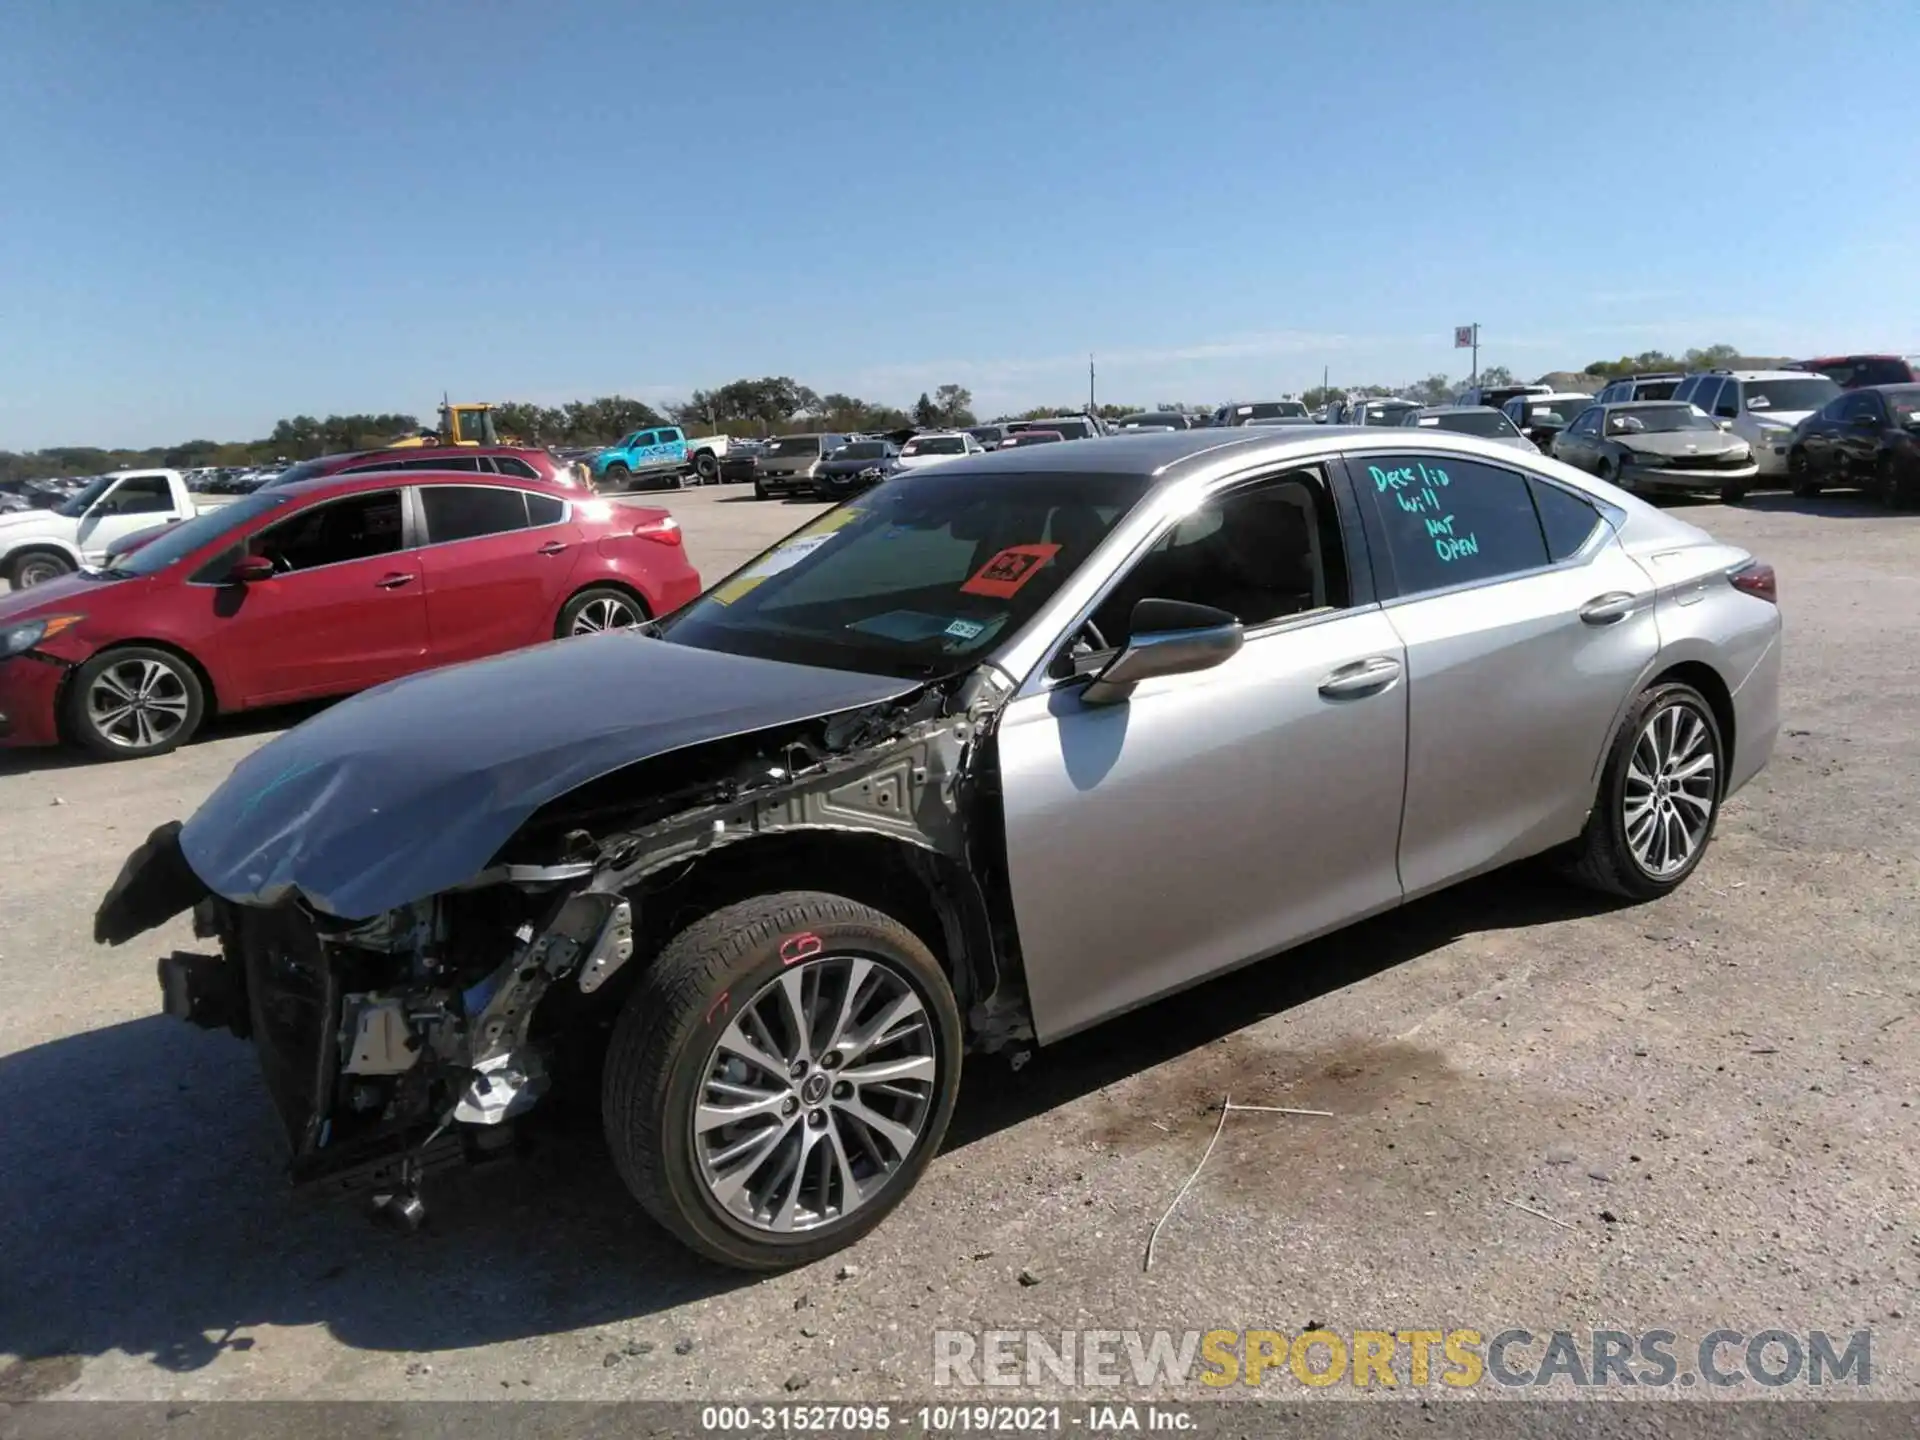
{"points": [[1002, 576]]}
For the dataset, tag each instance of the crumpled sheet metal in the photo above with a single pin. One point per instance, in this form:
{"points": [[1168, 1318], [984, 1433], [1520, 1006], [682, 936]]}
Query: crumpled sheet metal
{"points": [[411, 788]]}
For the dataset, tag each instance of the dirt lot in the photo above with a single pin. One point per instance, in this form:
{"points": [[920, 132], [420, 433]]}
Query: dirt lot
{"points": [[1715, 1092]]}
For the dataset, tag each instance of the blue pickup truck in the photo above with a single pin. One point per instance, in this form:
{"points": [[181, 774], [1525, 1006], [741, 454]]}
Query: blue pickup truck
{"points": [[659, 455]]}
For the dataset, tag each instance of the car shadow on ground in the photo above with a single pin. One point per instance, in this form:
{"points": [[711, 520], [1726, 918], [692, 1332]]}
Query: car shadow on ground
{"points": [[751, 498], [1848, 505], [238, 725], [147, 1211]]}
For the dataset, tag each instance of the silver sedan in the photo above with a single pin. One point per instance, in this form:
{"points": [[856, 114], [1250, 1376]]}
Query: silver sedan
{"points": [[987, 755]]}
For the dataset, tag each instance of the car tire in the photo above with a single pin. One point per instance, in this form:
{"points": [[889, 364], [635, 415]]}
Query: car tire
{"points": [[1800, 477], [617, 477], [135, 701], [760, 491], [1732, 494], [600, 607], [729, 979], [1614, 853], [36, 567], [707, 467], [1882, 486]]}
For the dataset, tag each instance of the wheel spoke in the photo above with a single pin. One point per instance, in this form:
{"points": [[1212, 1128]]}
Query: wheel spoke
{"points": [[735, 1041], [793, 992], [1698, 765], [784, 1217], [857, 973], [755, 1148], [110, 681], [913, 1067], [1700, 805], [873, 1032], [850, 1187], [898, 1136], [712, 1117]]}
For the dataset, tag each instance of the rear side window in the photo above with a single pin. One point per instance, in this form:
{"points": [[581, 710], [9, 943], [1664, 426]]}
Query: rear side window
{"points": [[1566, 519], [519, 469], [545, 510], [467, 512], [1449, 521]]}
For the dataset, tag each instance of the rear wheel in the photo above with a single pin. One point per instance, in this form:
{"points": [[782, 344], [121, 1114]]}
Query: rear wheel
{"points": [[1659, 797], [135, 701], [36, 567], [1883, 485], [781, 1076], [707, 467], [603, 607]]}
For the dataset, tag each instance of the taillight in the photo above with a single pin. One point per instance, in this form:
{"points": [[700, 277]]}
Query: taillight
{"points": [[663, 531], [1756, 578]]}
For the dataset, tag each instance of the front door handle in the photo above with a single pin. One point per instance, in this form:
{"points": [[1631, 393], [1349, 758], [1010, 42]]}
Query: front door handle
{"points": [[395, 581], [1609, 608], [1363, 677], [553, 547]]}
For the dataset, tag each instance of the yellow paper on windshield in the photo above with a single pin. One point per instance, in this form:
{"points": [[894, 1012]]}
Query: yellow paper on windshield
{"points": [[735, 588], [833, 520]]}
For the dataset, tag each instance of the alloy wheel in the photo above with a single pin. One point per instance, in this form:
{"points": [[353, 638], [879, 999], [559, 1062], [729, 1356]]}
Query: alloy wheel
{"points": [[138, 704], [37, 571], [604, 612], [1672, 786], [815, 1094]]}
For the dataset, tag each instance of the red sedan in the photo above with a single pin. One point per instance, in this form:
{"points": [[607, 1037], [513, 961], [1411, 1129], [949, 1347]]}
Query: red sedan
{"points": [[323, 588]]}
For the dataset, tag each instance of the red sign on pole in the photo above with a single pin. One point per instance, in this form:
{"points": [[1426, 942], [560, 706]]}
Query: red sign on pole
{"points": [[1463, 336]]}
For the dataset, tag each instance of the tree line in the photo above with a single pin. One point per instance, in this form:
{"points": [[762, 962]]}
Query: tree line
{"points": [[770, 405]]}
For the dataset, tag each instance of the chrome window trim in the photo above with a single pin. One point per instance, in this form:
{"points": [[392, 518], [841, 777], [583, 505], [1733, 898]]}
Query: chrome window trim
{"points": [[420, 490], [402, 549]]}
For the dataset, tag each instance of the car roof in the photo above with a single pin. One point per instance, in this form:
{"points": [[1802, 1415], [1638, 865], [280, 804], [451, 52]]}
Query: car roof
{"points": [[1646, 404], [393, 479], [1455, 409], [1762, 374]]}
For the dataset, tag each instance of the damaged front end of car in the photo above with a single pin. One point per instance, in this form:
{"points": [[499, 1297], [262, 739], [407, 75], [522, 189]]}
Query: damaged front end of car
{"points": [[401, 1043]]}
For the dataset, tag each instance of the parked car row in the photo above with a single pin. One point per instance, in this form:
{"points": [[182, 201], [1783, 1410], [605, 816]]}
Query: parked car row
{"points": [[319, 586]]}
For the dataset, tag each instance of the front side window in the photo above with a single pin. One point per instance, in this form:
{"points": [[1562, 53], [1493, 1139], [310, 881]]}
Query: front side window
{"points": [[139, 495], [1449, 521], [917, 577], [794, 446], [1589, 421], [1260, 552], [1808, 394], [466, 512], [356, 528]]}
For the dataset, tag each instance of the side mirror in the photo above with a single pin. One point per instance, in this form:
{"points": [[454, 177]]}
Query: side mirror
{"points": [[249, 569], [1724, 424], [1866, 422], [1170, 637]]}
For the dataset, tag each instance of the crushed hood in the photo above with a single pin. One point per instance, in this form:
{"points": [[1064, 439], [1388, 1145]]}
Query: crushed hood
{"points": [[412, 788], [1663, 443]]}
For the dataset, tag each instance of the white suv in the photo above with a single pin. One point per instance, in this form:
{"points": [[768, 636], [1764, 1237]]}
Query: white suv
{"points": [[1762, 407]]}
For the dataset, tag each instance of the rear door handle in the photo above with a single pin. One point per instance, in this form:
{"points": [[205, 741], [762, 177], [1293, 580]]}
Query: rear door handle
{"points": [[394, 582], [1607, 609], [553, 547], [1363, 677]]}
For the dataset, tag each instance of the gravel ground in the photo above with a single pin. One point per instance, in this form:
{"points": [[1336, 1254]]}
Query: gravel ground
{"points": [[1713, 1092]]}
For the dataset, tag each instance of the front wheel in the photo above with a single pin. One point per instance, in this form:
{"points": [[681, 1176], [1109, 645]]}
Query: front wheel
{"points": [[1800, 477], [135, 701], [37, 567], [617, 477], [760, 491], [781, 1076], [1659, 797], [1732, 493]]}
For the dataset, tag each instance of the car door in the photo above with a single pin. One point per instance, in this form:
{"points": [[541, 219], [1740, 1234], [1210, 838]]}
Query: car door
{"points": [[1526, 629], [133, 504], [343, 611], [1817, 437], [1210, 818], [494, 581], [1576, 445], [1861, 436]]}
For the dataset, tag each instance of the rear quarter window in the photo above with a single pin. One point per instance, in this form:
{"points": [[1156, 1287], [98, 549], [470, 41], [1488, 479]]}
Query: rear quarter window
{"points": [[1448, 521]]}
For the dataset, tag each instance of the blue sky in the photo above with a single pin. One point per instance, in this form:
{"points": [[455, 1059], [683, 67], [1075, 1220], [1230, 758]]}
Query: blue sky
{"points": [[214, 214]]}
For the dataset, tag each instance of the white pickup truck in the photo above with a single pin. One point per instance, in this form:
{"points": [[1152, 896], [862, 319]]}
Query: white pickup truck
{"points": [[37, 545]]}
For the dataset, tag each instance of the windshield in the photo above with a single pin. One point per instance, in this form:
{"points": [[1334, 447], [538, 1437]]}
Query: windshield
{"points": [[77, 504], [795, 445], [1808, 394], [294, 474], [936, 445], [1388, 414], [1264, 410], [862, 450], [1065, 428], [1656, 419], [1654, 389], [917, 577], [1150, 420], [1470, 422], [188, 536], [987, 434], [1035, 437], [1561, 409]]}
